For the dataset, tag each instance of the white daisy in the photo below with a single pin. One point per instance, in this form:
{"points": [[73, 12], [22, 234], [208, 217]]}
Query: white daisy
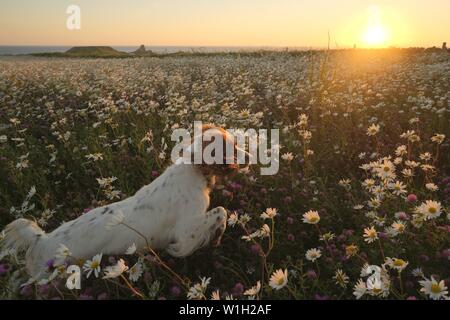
{"points": [[244, 219], [311, 217], [435, 290], [287, 156], [370, 235], [135, 272], [233, 219], [432, 187], [396, 263], [398, 227], [368, 184], [215, 295], [359, 289], [270, 213], [341, 278], [373, 130], [401, 151], [408, 173], [386, 170], [429, 209], [418, 273], [425, 156], [198, 290], [253, 291], [438, 138], [398, 188], [313, 254], [131, 249], [412, 164], [93, 265], [116, 270], [278, 279]]}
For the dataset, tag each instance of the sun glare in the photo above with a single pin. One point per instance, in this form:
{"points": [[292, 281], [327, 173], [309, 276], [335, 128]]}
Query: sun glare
{"points": [[376, 33], [375, 36]]}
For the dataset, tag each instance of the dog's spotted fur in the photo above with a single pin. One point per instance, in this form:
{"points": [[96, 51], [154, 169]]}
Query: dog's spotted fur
{"points": [[171, 213]]}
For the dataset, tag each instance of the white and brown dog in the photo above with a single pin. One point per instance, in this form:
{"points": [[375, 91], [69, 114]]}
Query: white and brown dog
{"points": [[169, 214]]}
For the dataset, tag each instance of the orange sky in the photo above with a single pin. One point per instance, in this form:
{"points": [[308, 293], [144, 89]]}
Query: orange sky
{"points": [[228, 22]]}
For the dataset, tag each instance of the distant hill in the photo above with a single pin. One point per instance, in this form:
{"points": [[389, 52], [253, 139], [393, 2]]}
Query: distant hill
{"points": [[95, 51], [86, 52]]}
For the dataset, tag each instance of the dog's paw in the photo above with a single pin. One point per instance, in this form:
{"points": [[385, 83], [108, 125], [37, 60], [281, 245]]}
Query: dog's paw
{"points": [[218, 211], [220, 224]]}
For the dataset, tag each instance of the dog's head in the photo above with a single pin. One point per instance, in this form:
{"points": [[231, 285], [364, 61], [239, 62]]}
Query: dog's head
{"points": [[219, 151]]}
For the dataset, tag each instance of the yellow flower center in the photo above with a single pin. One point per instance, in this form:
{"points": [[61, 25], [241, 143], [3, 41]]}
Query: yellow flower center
{"points": [[435, 288], [351, 250], [376, 290], [280, 281], [313, 219], [386, 169], [399, 262], [432, 210], [94, 265]]}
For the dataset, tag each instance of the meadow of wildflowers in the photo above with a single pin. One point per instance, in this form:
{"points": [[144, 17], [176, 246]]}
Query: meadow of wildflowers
{"points": [[364, 175]]}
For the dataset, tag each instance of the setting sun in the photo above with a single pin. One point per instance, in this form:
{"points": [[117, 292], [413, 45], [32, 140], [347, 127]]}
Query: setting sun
{"points": [[376, 33], [375, 36]]}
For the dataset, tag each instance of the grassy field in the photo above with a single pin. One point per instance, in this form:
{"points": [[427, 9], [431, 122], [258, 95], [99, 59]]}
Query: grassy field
{"points": [[364, 146]]}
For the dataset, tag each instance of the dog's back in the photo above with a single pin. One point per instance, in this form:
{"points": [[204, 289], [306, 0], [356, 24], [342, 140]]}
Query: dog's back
{"points": [[148, 217]]}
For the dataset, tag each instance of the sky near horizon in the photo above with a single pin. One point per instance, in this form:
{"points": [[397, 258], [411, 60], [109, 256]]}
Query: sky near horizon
{"points": [[292, 23]]}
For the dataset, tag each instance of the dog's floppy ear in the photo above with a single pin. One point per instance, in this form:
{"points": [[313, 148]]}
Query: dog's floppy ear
{"points": [[228, 154]]}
